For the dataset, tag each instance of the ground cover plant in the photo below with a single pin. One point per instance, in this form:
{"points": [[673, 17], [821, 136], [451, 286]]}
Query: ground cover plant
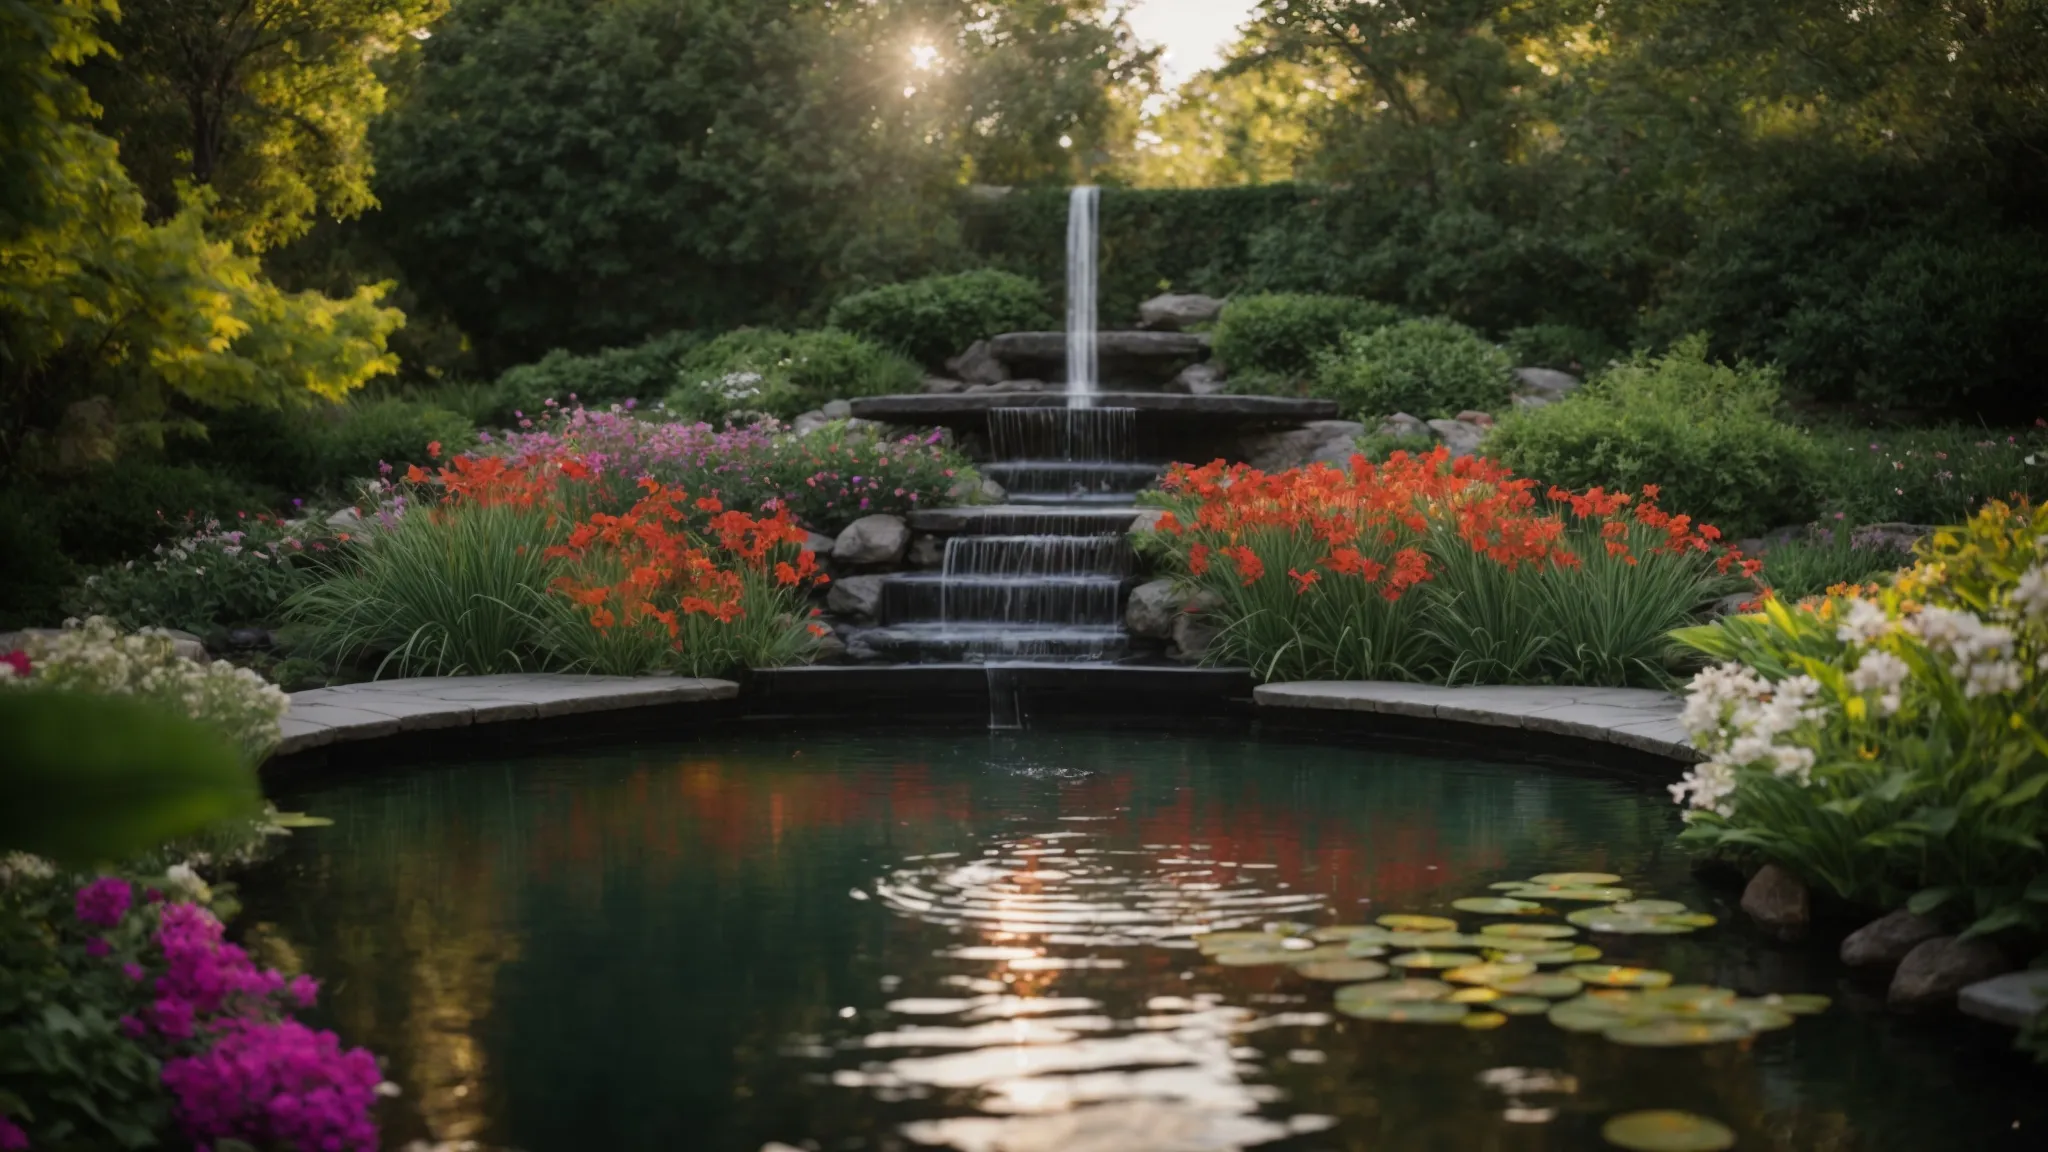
{"points": [[221, 575], [1424, 568], [1938, 475], [1886, 743]]}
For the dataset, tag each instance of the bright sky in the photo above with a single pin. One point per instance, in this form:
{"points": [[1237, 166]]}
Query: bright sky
{"points": [[1194, 32]]}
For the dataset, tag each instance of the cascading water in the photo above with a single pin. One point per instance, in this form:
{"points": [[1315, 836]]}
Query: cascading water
{"points": [[1084, 206]]}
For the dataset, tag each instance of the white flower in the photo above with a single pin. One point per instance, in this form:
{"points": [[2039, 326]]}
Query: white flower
{"points": [[1992, 678], [2031, 594], [1882, 675], [19, 866], [1863, 622]]}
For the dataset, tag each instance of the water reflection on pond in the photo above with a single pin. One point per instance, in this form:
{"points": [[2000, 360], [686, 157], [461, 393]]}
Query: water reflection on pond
{"points": [[986, 942]]}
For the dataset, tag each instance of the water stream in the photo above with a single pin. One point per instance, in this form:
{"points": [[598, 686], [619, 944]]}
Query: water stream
{"points": [[1084, 206]]}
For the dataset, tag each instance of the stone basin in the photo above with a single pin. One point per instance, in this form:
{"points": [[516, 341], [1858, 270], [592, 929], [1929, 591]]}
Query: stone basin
{"points": [[1170, 425], [1145, 359]]}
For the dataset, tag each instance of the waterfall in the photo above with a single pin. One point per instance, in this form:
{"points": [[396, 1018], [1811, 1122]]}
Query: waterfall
{"points": [[1083, 212]]}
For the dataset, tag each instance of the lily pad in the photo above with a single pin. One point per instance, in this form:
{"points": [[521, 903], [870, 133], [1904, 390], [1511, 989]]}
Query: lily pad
{"points": [[1347, 933], [1483, 1021], [1619, 976], [1678, 1033], [1688, 998], [1409, 1012], [1343, 971], [1498, 906], [1427, 959], [1691, 919], [1621, 924], [1797, 1003], [1584, 1015], [1433, 940], [1473, 996], [1364, 950], [1520, 1005], [1570, 894], [1490, 973], [1667, 1132], [1755, 1015], [1409, 922], [1253, 957], [1576, 879], [1530, 931], [1651, 908], [1406, 991], [1547, 985], [1213, 942]]}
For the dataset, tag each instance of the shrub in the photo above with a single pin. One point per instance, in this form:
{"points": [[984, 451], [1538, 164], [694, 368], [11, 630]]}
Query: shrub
{"points": [[1281, 335], [1707, 435], [206, 582], [759, 372], [836, 475], [1579, 351], [124, 509], [1888, 746], [1827, 557], [1928, 476], [640, 372], [1427, 368], [36, 574], [353, 439], [319, 448], [937, 317], [93, 656], [1425, 569]]}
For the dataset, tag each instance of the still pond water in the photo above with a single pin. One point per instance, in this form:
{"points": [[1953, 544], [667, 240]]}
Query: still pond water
{"points": [[982, 941]]}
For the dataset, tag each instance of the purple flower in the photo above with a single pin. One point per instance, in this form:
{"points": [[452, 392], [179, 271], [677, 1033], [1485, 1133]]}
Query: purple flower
{"points": [[133, 1027], [132, 970], [383, 469], [104, 901], [12, 1138], [277, 1085], [172, 1017], [304, 990], [97, 948]]}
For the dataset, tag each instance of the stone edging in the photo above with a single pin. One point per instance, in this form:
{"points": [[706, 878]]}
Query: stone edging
{"points": [[354, 712], [1636, 718]]}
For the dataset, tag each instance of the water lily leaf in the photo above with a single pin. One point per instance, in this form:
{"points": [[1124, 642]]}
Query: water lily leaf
{"points": [[1755, 1015], [1409, 922], [1212, 942], [1403, 990], [1252, 957], [1583, 1015], [1364, 950], [1686, 998], [1678, 1033], [1667, 1132], [1490, 973], [1342, 971], [1520, 1005], [1548, 985], [298, 820], [1608, 920], [1619, 976], [1432, 940], [1496, 906], [1576, 879], [1289, 928], [1483, 1021], [1473, 996], [1530, 931], [1336, 933], [1689, 919], [1319, 953], [1797, 1003], [1408, 1012], [1427, 959], [1651, 908], [1571, 894]]}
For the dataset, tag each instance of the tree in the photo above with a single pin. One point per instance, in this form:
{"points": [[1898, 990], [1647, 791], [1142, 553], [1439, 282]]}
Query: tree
{"points": [[265, 102]]}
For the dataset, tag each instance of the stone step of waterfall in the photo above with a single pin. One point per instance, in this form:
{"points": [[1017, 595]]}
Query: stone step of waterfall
{"points": [[1076, 480], [1029, 520], [930, 643], [1100, 555], [1098, 435], [1065, 600]]}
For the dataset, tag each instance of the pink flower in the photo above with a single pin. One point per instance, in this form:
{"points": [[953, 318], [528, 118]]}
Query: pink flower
{"points": [[97, 948], [17, 660], [104, 901], [132, 971], [304, 990], [12, 1138]]}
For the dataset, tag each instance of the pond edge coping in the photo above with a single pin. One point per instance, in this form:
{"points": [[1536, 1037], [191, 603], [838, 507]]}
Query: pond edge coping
{"points": [[1641, 719]]}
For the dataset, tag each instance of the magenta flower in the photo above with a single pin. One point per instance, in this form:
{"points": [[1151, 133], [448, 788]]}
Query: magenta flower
{"points": [[17, 660], [104, 901], [97, 948], [12, 1138], [132, 971], [304, 990], [277, 1085]]}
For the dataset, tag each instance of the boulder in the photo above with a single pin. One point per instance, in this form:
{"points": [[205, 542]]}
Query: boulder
{"points": [[830, 649], [992, 492], [1175, 312], [1193, 631], [872, 541], [1015, 386], [249, 638], [1778, 902], [859, 596], [926, 551], [1204, 379], [1402, 424], [940, 385], [978, 365], [837, 410], [1328, 441], [1153, 608], [2013, 999], [1884, 942], [820, 543], [1733, 604], [1547, 384], [1930, 976], [347, 520], [1469, 416], [809, 422], [1460, 437]]}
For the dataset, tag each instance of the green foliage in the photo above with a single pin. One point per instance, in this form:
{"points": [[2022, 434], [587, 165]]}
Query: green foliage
{"points": [[93, 777], [1377, 448], [122, 510], [1427, 368], [208, 581], [1825, 557], [937, 317], [37, 572], [1558, 346], [350, 441], [815, 475], [1706, 434], [1285, 334], [644, 371], [764, 372], [1930, 475]]}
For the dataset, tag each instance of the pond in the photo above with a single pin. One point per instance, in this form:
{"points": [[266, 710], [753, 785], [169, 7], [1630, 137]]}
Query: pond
{"points": [[984, 941]]}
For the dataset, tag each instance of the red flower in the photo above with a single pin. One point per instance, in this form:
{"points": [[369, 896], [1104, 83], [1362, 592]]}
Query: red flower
{"points": [[17, 660]]}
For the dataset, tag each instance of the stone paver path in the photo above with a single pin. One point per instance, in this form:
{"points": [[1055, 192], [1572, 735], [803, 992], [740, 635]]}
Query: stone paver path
{"points": [[354, 712], [1637, 718]]}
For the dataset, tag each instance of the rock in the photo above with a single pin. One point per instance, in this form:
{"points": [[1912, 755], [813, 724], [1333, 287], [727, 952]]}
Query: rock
{"points": [[1203, 379], [185, 645], [1153, 608], [1778, 902], [1173, 313], [1884, 942], [1546, 383], [1147, 519], [1015, 386], [1469, 416], [1461, 438], [840, 410], [809, 422], [820, 543], [1193, 631], [978, 365], [346, 520], [1402, 424], [1732, 604], [1145, 359], [1892, 534], [926, 551], [1527, 400], [1328, 441], [1935, 970], [872, 540], [830, 647], [2013, 999], [249, 638], [993, 493], [940, 386], [856, 596]]}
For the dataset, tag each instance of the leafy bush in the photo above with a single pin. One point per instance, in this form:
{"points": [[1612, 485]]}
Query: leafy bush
{"points": [[1282, 335], [1707, 435], [1427, 368], [319, 448], [1579, 351], [124, 509], [212, 580], [36, 574], [758, 372], [354, 439], [1888, 747], [835, 475], [937, 317], [1930, 475], [1422, 569], [640, 372]]}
